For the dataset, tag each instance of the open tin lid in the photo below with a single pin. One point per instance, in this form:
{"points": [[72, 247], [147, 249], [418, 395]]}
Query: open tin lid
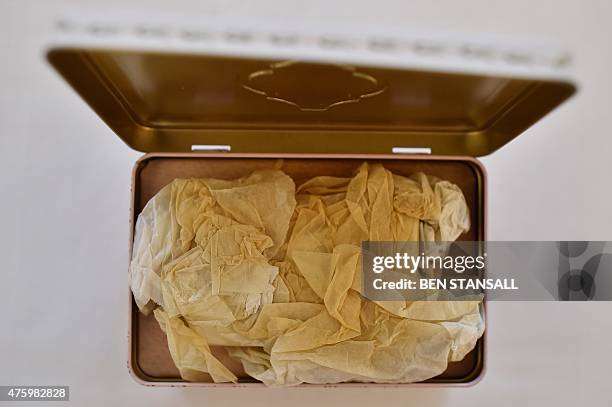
{"points": [[331, 101]]}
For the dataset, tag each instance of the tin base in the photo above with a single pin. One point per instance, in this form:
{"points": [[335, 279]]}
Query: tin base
{"points": [[149, 358]]}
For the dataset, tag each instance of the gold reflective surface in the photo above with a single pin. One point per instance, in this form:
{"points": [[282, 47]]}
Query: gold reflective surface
{"points": [[169, 102]]}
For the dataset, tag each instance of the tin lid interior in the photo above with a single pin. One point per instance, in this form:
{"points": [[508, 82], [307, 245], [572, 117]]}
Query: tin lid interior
{"points": [[166, 102]]}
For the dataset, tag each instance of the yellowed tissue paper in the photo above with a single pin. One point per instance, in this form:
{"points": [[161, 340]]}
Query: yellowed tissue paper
{"points": [[273, 273]]}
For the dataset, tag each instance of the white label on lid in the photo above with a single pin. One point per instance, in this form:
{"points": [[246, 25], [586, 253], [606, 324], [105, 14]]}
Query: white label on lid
{"points": [[211, 147], [411, 150]]}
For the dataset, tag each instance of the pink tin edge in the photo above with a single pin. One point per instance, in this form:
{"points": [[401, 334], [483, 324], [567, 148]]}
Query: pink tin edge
{"points": [[130, 362]]}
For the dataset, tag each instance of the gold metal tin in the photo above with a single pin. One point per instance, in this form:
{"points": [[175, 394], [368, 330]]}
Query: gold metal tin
{"points": [[319, 118]]}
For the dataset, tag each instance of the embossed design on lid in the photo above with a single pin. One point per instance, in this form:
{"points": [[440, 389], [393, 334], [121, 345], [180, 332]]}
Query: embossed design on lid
{"points": [[313, 87]]}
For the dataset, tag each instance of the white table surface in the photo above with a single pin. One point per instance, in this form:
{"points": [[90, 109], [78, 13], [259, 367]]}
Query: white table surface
{"points": [[64, 197]]}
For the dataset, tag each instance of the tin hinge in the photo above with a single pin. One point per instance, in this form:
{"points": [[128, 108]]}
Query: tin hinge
{"points": [[411, 150], [211, 147]]}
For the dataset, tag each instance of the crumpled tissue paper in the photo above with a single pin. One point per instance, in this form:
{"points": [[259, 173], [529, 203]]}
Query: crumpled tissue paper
{"points": [[272, 273]]}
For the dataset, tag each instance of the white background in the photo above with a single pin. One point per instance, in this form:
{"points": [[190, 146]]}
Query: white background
{"points": [[64, 197]]}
